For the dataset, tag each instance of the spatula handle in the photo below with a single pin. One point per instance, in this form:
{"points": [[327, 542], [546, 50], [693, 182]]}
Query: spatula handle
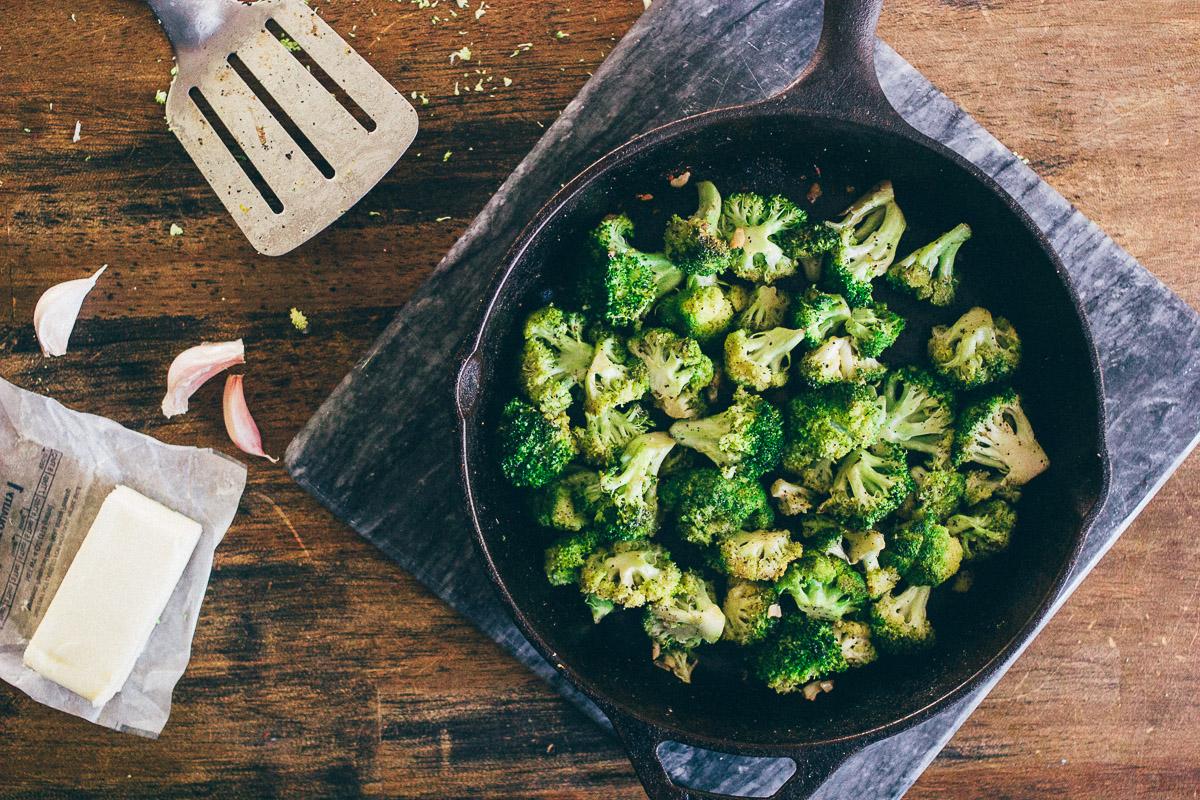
{"points": [[190, 23]]}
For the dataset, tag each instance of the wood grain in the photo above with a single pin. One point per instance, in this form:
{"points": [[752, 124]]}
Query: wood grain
{"points": [[319, 669]]}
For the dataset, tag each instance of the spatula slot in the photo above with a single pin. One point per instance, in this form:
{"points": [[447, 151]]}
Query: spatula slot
{"points": [[293, 130], [239, 155], [296, 48]]}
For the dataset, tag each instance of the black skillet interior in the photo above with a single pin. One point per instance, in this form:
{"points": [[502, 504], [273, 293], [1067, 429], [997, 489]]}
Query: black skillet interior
{"points": [[1003, 268]]}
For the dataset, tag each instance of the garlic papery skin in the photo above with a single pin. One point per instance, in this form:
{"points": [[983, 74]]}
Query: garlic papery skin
{"points": [[239, 424], [56, 311], [193, 367]]}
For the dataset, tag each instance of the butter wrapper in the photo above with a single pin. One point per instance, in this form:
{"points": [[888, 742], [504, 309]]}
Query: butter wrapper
{"points": [[56, 468]]}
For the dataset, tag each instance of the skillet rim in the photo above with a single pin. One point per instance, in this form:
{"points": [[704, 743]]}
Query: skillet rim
{"points": [[467, 414]]}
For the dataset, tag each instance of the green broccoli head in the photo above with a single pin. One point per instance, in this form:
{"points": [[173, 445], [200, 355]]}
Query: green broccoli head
{"points": [[819, 314], [632, 487], [855, 641], [816, 476], [918, 413], [625, 282], [984, 530], [702, 504], [984, 484], [745, 439], [995, 433], [687, 617], [760, 360], [864, 549], [695, 243], [630, 574], [767, 309], [809, 245], [700, 309], [900, 624], [869, 484], [874, 328], [829, 422], [751, 611], [928, 273], [792, 499], [976, 350], [751, 222], [825, 536], [823, 586], [605, 433], [803, 650], [869, 232], [565, 558], [568, 503], [838, 361], [615, 376], [939, 493], [555, 357], [678, 370], [534, 447], [757, 555], [923, 552], [678, 661]]}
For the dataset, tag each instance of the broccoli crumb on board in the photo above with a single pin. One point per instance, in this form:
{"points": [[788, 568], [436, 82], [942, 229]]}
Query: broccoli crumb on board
{"points": [[298, 319]]}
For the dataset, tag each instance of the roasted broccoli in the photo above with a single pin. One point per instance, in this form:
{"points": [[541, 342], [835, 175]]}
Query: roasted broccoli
{"points": [[792, 499], [615, 377], [555, 357], [757, 555], [923, 552], [767, 309], [976, 350], [751, 611], [744, 439], [700, 309], [599, 607], [626, 282], [568, 503], [996, 433], [984, 484], [678, 661], [819, 314], [678, 370], [702, 504], [761, 360], [864, 548], [855, 640], [918, 413], [874, 328], [750, 222], [695, 244], [630, 574], [868, 485], [899, 623], [939, 492], [803, 650], [829, 422], [984, 530], [605, 433], [534, 447], [687, 617], [869, 232], [632, 487], [838, 361], [823, 587], [816, 476], [565, 558], [824, 535], [928, 273], [809, 245]]}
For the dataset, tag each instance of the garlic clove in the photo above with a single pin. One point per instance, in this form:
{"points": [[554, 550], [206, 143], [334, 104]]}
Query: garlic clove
{"points": [[238, 423], [193, 367], [56, 311]]}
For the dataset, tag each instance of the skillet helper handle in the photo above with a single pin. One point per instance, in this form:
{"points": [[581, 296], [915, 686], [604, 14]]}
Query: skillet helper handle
{"points": [[466, 384], [814, 766]]}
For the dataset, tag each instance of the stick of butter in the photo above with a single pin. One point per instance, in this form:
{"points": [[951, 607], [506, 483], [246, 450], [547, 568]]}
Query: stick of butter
{"points": [[109, 601]]}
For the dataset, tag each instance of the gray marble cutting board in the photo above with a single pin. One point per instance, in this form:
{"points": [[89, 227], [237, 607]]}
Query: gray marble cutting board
{"points": [[398, 399]]}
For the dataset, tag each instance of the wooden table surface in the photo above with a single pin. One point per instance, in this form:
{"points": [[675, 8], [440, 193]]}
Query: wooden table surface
{"points": [[319, 668]]}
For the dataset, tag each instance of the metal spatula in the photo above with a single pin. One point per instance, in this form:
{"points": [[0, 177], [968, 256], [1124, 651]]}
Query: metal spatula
{"points": [[286, 155]]}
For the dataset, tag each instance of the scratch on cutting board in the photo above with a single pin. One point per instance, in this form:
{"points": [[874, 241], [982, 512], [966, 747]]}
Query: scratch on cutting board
{"points": [[288, 522], [444, 745]]}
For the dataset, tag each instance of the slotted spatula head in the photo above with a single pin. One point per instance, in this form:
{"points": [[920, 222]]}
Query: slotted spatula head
{"points": [[286, 155]]}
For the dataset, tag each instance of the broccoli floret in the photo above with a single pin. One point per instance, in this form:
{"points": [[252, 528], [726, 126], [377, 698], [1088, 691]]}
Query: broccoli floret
{"points": [[744, 439], [792, 499], [565, 558], [687, 618], [838, 361], [703, 504], [615, 377], [996, 433], [761, 360], [976, 350], [864, 548], [984, 530], [824, 535], [869, 231], [700, 309], [555, 357], [757, 555], [739, 296], [855, 640], [899, 623], [750, 222], [567, 504], [675, 660], [868, 485], [983, 484], [939, 493], [823, 587], [829, 422], [625, 283], [678, 370], [874, 328], [695, 243], [802, 651], [918, 413], [599, 607], [923, 552], [809, 245], [535, 447], [605, 433], [928, 273], [751, 611], [767, 309], [630, 574], [818, 314], [816, 476], [632, 487]]}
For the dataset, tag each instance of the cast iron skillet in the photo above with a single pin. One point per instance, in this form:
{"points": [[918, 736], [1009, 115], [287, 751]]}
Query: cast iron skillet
{"points": [[834, 118]]}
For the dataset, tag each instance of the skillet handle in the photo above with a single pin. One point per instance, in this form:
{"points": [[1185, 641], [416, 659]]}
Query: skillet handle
{"points": [[814, 766], [841, 76]]}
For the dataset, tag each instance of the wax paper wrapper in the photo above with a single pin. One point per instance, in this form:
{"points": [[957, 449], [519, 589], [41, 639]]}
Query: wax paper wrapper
{"points": [[56, 467]]}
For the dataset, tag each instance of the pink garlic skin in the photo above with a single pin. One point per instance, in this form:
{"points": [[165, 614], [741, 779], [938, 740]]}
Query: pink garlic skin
{"points": [[238, 423], [193, 367], [56, 311]]}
